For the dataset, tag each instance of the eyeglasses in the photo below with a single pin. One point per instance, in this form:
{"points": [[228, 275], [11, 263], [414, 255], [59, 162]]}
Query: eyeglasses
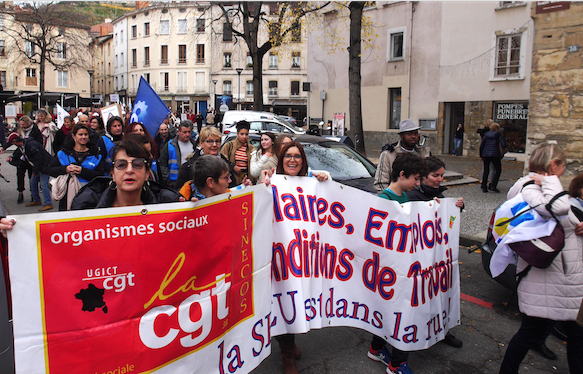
{"points": [[208, 141], [295, 157], [137, 164]]}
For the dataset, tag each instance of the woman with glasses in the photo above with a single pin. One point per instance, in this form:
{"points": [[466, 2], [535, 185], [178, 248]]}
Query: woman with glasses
{"points": [[264, 158], [209, 144], [292, 161], [129, 183], [79, 159]]}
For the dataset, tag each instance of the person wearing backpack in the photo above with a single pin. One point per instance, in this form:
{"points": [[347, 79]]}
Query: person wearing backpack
{"points": [[554, 293]]}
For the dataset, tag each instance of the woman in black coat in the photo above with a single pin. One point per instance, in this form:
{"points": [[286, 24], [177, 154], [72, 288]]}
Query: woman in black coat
{"points": [[490, 147]]}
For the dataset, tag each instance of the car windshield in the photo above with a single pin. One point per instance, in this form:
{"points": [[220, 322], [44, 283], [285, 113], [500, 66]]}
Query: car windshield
{"points": [[297, 129], [341, 161]]}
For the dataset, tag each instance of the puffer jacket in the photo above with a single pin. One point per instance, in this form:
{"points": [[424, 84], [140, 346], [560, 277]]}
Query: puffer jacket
{"points": [[490, 144], [555, 292]]}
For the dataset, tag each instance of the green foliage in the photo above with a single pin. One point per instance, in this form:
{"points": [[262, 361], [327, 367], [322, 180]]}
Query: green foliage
{"points": [[91, 13]]}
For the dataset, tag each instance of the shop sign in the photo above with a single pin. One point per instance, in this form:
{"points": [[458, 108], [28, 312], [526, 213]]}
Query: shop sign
{"points": [[551, 6], [510, 111]]}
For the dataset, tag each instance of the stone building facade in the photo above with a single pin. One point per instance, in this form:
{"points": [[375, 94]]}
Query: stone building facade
{"points": [[556, 96]]}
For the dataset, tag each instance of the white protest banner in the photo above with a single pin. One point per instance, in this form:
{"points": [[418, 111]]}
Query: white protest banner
{"points": [[169, 288], [344, 257], [110, 111], [61, 114]]}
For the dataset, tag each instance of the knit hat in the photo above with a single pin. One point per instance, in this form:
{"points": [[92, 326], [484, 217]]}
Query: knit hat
{"points": [[408, 125], [14, 137]]}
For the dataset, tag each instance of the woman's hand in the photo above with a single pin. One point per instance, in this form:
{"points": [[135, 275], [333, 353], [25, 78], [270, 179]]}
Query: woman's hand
{"points": [[579, 229], [265, 176], [6, 224], [246, 182], [537, 178], [73, 169], [460, 202], [321, 176]]}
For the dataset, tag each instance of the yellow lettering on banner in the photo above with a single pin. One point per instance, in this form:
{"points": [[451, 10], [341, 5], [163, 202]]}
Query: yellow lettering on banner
{"points": [[245, 223], [243, 270], [243, 305], [225, 323], [188, 286], [245, 208], [244, 256], [245, 240], [244, 286]]}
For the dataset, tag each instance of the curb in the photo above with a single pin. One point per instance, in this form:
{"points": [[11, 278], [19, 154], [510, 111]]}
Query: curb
{"points": [[469, 241]]}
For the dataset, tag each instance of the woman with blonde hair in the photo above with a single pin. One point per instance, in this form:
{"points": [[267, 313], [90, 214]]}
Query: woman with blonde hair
{"points": [[554, 293]]}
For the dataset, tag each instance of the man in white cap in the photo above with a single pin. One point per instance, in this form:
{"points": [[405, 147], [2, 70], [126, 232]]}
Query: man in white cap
{"points": [[409, 133]]}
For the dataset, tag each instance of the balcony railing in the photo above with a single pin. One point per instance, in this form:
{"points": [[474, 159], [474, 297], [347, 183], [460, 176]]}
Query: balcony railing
{"points": [[146, 62], [182, 89], [164, 61], [166, 89], [182, 60], [134, 64]]}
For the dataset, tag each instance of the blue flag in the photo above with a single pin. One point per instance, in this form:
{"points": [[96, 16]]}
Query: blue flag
{"points": [[148, 108]]}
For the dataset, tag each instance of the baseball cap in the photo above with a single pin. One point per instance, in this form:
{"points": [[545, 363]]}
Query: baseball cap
{"points": [[408, 125]]}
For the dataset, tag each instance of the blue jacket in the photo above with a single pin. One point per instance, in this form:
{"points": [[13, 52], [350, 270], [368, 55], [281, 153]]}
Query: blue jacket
{"points": [[92, 165], [169, 161], [489, 146]]}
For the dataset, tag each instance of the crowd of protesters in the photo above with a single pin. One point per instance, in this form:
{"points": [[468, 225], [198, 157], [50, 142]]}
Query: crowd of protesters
{"points": [[113, 163]]}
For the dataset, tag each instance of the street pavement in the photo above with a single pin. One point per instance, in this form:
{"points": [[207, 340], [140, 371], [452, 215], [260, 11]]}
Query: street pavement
{"points": [[489, 318]]}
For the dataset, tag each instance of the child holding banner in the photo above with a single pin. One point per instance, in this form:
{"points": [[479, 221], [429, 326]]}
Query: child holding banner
{"points": [[405, 176]]}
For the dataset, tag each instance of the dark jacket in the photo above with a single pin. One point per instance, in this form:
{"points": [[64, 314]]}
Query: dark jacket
{"points": [[490, 144], [425, 193], [160, 142], [34, 134], [186, 170], [97, 194], [37, 156], [61, 138]]}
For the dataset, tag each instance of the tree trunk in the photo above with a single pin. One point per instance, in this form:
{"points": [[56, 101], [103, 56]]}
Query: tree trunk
{"points": [[41, 76], [258, 82], [354, 78]]}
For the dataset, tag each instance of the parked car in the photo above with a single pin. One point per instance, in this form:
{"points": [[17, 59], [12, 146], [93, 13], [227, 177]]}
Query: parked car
{"points": [[289, 119], [267, 125], [231, 117], [344, 164]]}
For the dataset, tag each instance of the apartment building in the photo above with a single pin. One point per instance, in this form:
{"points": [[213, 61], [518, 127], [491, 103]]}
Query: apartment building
{"points": [[284, 68], [66, 81], [120, 66], [102, 50], [439, 63]]}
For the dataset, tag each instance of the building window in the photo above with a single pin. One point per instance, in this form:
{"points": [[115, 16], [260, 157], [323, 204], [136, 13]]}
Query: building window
{"points": [[134, 31], [396, 43], [227, 32], [62, 51], [31, 77], [249, 88], [508, 55], [121, 60], [249, 60], [29, 49], [394, 107], [428, 124], [121, 36], [3, 78], [115, 40], [295, 88], [200, 53], [147, 77], [295, 60], [165, 81], [182, 26], [134, 58], [272, 61], [146, 56], [227, 88], [296, 35], [182, 84], [182, 53], [115, 62], [200, 81], [116, 83], [2, 48], [165, 27], [164, 55], [122, 82], [146, 28], [227, 60], [2, 29], [272, 88], [200, 25], [29, 27]]}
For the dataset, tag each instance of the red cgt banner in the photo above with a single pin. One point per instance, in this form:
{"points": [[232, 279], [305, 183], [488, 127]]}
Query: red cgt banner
{"points": [[136, 292]]}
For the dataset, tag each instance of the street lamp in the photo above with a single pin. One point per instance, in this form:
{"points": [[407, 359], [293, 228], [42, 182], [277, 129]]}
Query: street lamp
{"points": [[91, 71], [215, 84], [239, 71]]}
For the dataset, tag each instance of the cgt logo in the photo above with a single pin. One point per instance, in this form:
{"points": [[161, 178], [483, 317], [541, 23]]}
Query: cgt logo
{"points": [[112, 280]]}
